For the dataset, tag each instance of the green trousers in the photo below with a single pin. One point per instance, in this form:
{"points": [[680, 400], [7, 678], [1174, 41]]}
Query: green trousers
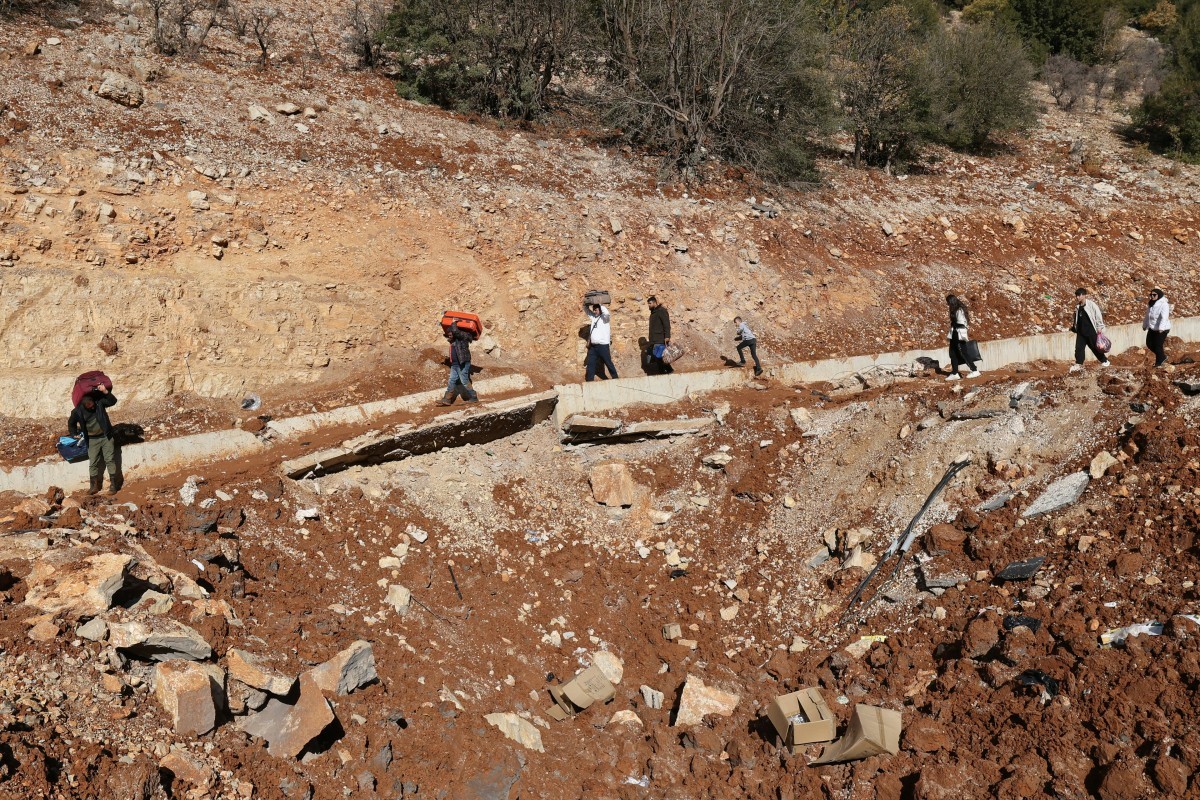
{"points": [[101, 450]]}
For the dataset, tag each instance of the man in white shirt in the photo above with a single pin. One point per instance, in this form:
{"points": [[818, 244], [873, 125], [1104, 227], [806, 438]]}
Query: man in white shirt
{"points": [[599, 353]]}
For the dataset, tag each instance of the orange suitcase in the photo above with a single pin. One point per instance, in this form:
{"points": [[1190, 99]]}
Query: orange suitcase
{"points": [[466, 322]]}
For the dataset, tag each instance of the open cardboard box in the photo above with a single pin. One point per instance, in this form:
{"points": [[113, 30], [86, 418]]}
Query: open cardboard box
{"points": [[580, 693], [872, 731], [820, 726]]}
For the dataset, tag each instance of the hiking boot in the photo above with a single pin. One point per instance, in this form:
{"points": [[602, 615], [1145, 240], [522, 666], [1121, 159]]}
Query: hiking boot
{"points": [[115, 482], [470, 397], [97, 484], [447, 400]]}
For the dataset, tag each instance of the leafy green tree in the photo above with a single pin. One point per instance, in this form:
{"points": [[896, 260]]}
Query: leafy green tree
{"points": [[880, 66], [977, 82], [997, 12], [1054, 27], [494, 56]]}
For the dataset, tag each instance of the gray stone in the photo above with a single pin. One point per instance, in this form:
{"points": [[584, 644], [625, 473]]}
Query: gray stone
{"points": [[578, 424], [258, 112], [350, 669], [288, 729], [931, 580], [120, 89], [517, 729], [653, 697], [94, 630], [1060, 494], [252, 671], [818, 558], [996, 502], [167, 640]]}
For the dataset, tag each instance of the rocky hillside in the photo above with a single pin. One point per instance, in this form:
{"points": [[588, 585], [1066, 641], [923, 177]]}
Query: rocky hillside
{"points": [[235, 228]]}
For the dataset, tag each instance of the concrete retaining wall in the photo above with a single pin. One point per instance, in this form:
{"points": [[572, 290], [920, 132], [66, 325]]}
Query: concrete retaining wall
{"points": [[365, 413], [599, 396], [137, 461]]}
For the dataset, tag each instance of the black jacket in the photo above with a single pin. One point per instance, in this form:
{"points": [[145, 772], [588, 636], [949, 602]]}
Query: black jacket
{"points": [[660, 325], [460, 345], [76, 424]]}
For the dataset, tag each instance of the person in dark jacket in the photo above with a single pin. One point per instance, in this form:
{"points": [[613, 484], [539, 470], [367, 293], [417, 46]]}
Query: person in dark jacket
{"points": [[960, 320], [1087, 325], [660, 335], [90, 418], [460, 367]]}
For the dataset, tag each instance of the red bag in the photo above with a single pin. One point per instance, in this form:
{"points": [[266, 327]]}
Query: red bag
{"points": [[466, 322], [87, 382], [1103, 343]]}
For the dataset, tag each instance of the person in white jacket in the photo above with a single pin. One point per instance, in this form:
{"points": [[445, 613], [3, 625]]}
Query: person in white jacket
{"points": [[1157, 325], [599, 354], [1087, 325], [960, 318]]}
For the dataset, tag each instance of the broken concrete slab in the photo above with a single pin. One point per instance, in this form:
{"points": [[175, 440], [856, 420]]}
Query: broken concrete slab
{"points": [[475, 425], [293, 427], [996, 502], [192, 695], [662, 429], [580, 427], [288, 729], [517, 729], [162, 640], [350, 669], [251, 670], [1060, 494], [931, 579], [74, 586], [698, 701]]}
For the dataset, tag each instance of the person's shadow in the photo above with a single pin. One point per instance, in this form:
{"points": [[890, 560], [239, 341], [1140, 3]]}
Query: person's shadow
{"points": [[644, 347], [128, 433], [729, 362]]}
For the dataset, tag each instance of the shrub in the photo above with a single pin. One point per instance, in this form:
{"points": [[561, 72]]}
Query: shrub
{"points": [[977, 81]]}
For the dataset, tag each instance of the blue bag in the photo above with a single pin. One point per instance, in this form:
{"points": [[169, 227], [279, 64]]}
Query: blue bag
{"points": [[72, 449], [659, 349]]}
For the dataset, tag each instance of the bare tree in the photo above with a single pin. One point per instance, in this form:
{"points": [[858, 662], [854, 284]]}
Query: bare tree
{"points": [[261, 18], [1067, 80], [365, 22], [698, 77], [182, 26]]}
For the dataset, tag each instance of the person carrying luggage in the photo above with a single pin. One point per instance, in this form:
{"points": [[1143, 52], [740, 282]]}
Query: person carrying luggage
{"points": [[1157, 326], [460, 366], [745, 338], [90, 419], [960, 319], [599, 353], [1087, 326], [659, 336]]}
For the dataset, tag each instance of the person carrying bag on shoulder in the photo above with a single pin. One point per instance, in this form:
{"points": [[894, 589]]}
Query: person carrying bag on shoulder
{"points": [[962, 349]]}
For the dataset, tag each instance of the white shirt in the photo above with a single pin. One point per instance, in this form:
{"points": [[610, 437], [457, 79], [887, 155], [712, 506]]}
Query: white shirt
{"points": [[601, 332]]}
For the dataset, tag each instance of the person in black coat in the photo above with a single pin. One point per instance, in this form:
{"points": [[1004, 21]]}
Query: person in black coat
{"points": [[90, 418], [660, 334]]}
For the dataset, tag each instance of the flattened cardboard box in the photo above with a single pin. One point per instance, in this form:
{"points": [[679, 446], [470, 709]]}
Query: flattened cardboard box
{"points": [[810, 703], [872, 731], [580, 693]]}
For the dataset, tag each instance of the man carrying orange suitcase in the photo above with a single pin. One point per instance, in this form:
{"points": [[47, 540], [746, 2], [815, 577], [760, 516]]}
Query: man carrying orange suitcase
{"points": [[460, 366]]}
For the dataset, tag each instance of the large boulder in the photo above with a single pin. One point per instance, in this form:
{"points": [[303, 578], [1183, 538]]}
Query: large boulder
{"points": [[698, 701], [250, 670], [121, 89], [612, 485], [80, 588], [162, 640], [288, 729], [192, 694]]}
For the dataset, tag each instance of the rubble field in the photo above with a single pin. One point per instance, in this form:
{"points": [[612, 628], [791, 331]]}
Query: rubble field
{"points": [[395, 630]]}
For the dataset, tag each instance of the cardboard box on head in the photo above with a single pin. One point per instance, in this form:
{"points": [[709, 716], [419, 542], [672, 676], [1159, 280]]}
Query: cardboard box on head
{"points": [[872, 731], [819, 725], [580, 693]]}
